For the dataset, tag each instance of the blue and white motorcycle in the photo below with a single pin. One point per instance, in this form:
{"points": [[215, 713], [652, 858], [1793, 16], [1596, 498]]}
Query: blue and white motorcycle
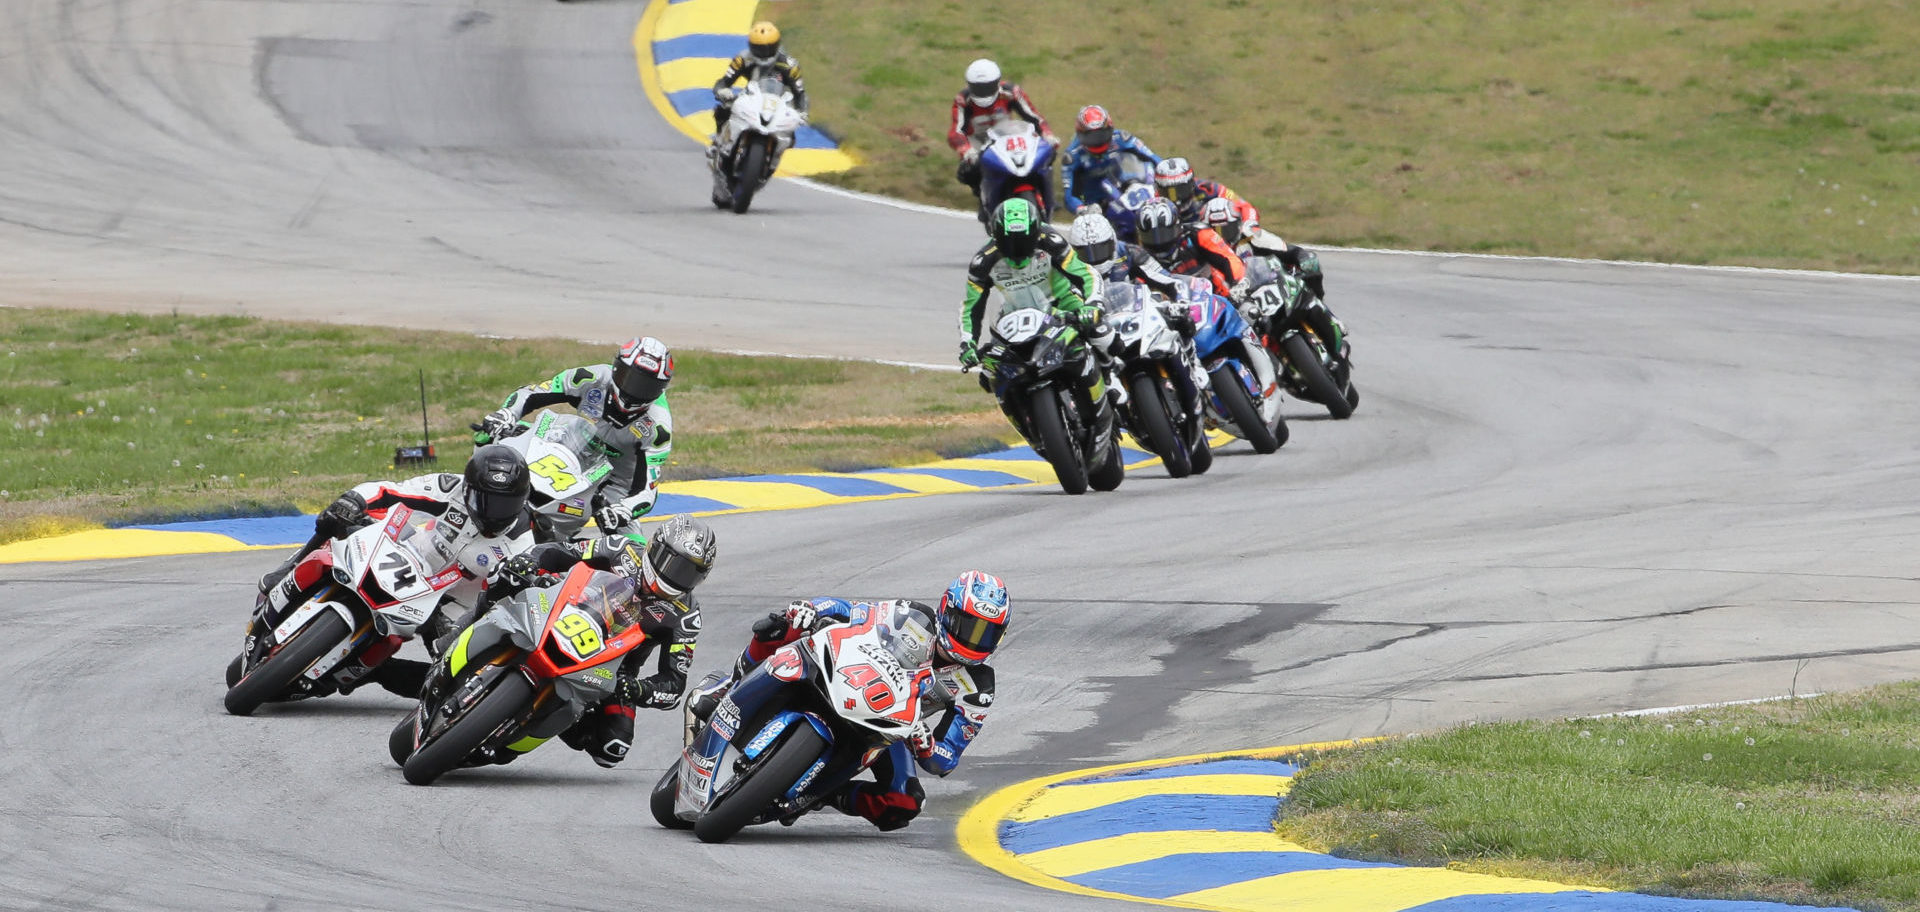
{"points": [[1016, 162], [1244, 398], [815, 714]]}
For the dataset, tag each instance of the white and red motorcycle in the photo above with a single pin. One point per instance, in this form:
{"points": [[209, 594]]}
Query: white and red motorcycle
{"points": [[381, 583], [815, 714]]}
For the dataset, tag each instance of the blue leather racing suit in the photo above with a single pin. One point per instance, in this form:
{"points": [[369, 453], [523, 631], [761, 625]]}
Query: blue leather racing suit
{"points": [[1092, 178]]}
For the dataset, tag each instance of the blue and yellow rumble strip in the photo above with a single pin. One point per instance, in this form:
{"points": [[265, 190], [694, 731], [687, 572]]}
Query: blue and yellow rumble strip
{"points": [[1198, 833], [1016, 467], [684, 45]]}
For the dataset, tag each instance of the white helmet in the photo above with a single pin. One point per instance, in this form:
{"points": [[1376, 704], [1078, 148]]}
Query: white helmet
{"points": [[1093, 239], [983, 80]]}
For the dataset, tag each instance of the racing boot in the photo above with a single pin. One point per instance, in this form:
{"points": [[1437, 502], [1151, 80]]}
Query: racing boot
{"points": [[401, 677], [702, 700]]}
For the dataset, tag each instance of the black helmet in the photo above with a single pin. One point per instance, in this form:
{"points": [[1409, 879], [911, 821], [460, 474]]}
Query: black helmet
{"points": [[497, 486], [641, 373], [1159, 227], [1016, 229], [679, 558]]}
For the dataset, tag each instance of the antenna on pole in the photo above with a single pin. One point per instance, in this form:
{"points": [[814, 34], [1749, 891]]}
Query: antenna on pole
{"points": [[423, 454]]}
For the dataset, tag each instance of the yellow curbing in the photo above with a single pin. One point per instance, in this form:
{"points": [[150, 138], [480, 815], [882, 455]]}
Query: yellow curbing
{"points": [[643, 35], [664, 20], [978, 830], [114, 544]]}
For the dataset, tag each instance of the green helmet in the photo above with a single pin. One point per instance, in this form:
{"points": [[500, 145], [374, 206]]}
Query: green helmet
{"points": [[1016, 229]]}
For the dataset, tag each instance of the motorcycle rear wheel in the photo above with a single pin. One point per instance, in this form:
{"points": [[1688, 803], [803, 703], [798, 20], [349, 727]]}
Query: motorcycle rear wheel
{"points": [[276, 675], [746, 177], [1320, 384], [1150, 406], [768, 780], [508, 698], [1240, 407], [661, 801], [1043, 406]]}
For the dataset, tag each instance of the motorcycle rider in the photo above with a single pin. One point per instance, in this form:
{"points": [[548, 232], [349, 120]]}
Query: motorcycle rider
{"points": [[627, 403], [986, 101], [1094, 241], [969, 624], [1023, 250], [664, 576], [483, 518], [1094, 158], [1248, 242], [1229, 219], [1189, 250], [1174, 178], [763, 58]]}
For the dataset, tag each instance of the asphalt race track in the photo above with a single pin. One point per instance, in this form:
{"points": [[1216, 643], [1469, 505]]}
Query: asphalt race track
{"points": [[1570, 488]]}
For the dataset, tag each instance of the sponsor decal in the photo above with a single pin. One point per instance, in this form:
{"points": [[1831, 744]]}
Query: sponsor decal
{"points": [[727, 713], [723, 728], [455, 518], [812, 771], [445, 577], [943, 752], [968, 731], [593, 404], [482, 561], [985, 699], [571, 509], [701, 763], [765, 737]]}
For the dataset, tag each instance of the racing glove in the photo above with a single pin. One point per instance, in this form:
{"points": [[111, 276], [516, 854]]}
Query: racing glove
{"points": [[800, 615], [514, 576], [969, 355], [612, 517], [920, 739], [347, 513], [725, 94], [497, 425]]}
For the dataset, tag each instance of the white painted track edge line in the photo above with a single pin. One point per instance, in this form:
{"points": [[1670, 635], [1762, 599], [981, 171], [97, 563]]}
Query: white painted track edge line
{"points": [[1442, 254]]}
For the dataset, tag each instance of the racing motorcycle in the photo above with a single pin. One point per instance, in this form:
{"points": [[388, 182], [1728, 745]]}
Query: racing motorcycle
{"points": [[1276, 308], [569, 465], [759, 130], [1244, 397], [814, 715], [1164, 380], [1036, 360], [1016, 162], [382, 582], [526, 671], [1123, 208]]}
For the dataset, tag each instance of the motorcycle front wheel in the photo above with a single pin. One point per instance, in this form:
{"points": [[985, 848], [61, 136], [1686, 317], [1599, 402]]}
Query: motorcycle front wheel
{"points": [[661, 801], [746, 177], [275, 676], [1150, 406], [766, 781], [1320, 385], [1240, 407], [1043, 408], [508, 699]]}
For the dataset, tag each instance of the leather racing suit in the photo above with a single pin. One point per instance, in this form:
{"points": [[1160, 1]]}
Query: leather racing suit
{"points": [[1074, 290], [752, 69], [641, 447], [456, 540], [960, 696], [967, 130], [1095, 178], [671, 624], [1202, 252]]}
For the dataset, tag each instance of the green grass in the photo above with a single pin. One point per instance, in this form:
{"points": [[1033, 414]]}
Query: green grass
{"points": [[115, 417], [1761, 132], [1815, 801]]}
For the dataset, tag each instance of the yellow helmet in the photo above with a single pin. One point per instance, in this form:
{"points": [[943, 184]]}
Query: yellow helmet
{"points": [[764, 40]]}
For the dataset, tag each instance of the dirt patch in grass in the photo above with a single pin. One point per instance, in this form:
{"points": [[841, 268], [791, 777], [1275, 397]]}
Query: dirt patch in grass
{"points": [[1763, 132], [114, 418], [1813, 801]]}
